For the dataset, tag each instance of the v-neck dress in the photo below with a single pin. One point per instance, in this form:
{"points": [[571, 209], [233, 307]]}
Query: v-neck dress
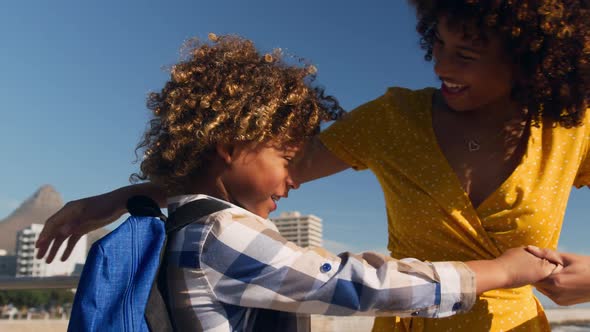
{"points": [[430, 217]]}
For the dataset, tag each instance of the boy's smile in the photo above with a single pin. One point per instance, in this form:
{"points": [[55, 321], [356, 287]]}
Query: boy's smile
{"points": [[258, 176]]}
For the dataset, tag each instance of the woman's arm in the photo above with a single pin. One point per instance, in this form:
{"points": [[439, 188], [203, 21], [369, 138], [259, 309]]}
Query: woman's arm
{"points": [[82, 216], [316, 162]]}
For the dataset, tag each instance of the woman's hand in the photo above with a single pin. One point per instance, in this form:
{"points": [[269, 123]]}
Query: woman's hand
{"points": [[72, 221], [82, 216], [571, 285]]}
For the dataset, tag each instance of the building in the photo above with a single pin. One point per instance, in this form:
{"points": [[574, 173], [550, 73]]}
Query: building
{"points": [[7, 264], [305, 231], [28, 265]]}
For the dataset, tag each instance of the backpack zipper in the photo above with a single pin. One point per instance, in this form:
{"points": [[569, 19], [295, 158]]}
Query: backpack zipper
{"points": [[127, 299]]}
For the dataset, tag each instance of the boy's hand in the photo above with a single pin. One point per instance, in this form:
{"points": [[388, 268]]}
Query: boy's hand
{"points": [[522, 268]]}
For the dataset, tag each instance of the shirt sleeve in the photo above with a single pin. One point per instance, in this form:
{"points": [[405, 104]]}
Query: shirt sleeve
{"points": [[250, 265]]}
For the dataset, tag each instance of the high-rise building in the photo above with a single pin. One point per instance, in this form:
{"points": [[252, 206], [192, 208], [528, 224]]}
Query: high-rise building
{"points": [[7, 264], [28, 265], [305, 231]]}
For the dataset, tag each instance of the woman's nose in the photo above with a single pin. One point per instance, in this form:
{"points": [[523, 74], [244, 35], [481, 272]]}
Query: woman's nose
{"points": [[444, 66], [441, 67]]}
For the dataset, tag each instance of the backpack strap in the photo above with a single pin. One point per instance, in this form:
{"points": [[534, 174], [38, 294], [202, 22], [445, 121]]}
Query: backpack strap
{"points": [[191, 212], [143, 206], [157, 313]]}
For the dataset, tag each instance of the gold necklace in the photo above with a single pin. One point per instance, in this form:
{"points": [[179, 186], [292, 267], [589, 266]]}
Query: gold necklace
{"points": [[474, 145]]}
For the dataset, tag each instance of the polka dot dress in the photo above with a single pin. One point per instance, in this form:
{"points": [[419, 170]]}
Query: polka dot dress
{"points": [[430, 217]]}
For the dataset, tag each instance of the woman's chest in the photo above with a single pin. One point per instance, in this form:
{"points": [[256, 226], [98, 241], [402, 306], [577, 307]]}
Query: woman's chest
{"points": [[520, 202]]}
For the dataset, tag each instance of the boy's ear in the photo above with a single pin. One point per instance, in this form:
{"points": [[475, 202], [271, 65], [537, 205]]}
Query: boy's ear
{"points": [[225, 152]]}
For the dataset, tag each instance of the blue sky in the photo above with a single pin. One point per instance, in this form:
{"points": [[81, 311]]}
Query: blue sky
{"points": [[74, 77]]}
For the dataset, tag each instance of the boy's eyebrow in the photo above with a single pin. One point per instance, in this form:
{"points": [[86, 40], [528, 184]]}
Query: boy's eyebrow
{"points": [[290, 152]]}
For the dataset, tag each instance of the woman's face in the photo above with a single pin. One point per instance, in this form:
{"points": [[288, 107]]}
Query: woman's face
{"points": [[475, 74]]}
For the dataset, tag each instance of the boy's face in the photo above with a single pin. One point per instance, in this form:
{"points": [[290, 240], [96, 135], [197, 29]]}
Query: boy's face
{"points": [[475, 74], [257, 176]]}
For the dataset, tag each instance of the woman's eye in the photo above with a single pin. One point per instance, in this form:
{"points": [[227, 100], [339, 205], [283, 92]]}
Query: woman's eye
{"points": [[438, 40]]}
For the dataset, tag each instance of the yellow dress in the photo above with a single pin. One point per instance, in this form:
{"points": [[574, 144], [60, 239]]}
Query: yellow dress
{"points": [[430, 217]]}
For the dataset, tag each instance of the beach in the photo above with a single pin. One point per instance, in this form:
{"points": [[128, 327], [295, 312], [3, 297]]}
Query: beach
{"points": [[562, 320]]}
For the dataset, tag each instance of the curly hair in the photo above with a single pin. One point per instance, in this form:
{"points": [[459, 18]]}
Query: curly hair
{"points": [[223, 91], [548, 39]]}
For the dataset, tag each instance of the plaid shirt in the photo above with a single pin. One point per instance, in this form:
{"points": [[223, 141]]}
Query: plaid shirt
{"points": [[224, 265]]}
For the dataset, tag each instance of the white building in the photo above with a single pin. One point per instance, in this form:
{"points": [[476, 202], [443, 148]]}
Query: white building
{"points": [[28, 265], [7, 264], [305, 231]]}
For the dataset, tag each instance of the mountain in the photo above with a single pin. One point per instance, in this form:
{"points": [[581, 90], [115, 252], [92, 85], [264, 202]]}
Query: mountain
{"points": [[34, 210]]}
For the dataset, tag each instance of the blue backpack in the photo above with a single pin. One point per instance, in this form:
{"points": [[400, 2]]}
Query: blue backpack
{"points": [[121, 288]]}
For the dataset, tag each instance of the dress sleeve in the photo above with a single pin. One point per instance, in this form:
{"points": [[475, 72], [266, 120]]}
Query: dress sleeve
{"points": [[583, 175], [352, 138], [251, 265]]}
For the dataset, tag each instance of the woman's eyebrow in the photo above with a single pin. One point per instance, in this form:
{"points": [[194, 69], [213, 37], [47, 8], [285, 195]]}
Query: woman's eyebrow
{"points": [[474, 45], [470, 48]]}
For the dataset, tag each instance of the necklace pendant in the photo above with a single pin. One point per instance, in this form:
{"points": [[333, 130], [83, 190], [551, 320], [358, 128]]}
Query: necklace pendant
{"points": [[473, 146]]}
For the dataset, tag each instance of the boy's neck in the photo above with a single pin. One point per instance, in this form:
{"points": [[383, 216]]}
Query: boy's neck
{"points": [[207, 182]]}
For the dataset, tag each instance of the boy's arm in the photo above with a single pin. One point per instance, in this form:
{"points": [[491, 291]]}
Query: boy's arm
{"points": [[276, 274], [513, 269], [82, 216]]}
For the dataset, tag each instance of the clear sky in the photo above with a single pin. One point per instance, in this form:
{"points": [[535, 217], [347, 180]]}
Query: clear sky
{"points": [[74, 76]]}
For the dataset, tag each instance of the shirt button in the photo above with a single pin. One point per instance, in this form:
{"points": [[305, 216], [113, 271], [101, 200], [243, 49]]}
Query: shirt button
{"points": [[326, 267]]}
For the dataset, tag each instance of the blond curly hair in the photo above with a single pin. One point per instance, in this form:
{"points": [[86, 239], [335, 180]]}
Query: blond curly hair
{"points": [[223, 91]]}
